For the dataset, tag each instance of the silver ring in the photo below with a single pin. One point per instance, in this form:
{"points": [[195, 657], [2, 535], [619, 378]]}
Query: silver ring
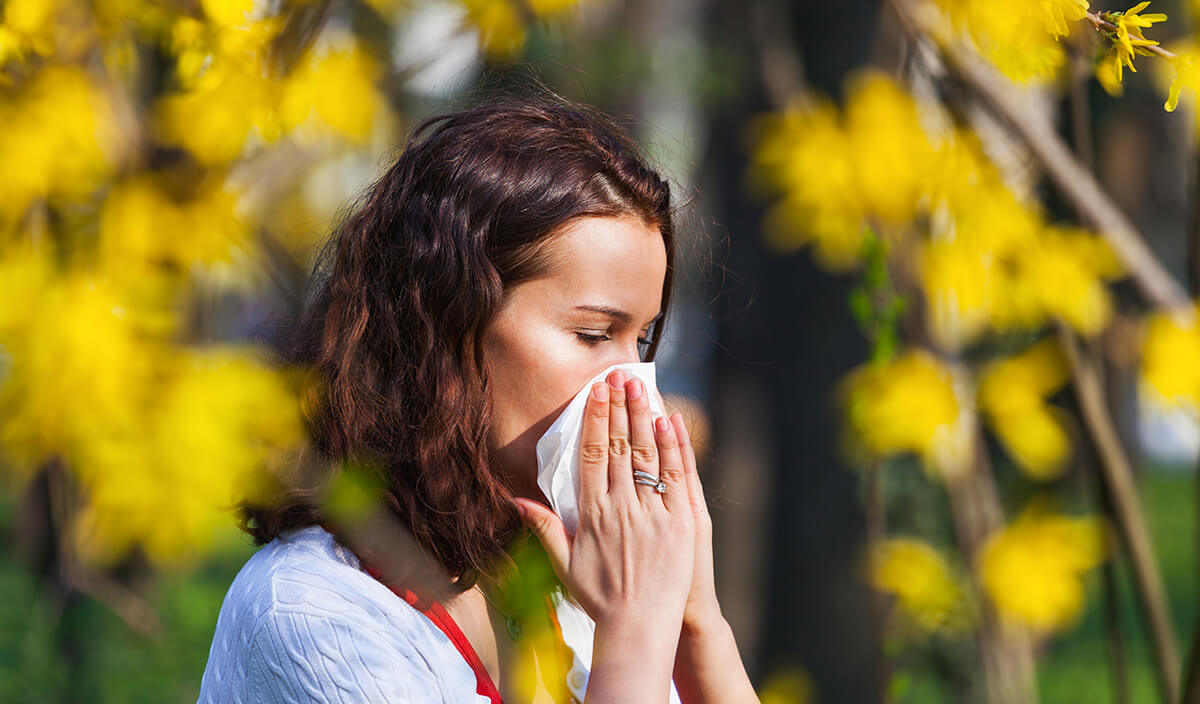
{"points": [[647, 479]]}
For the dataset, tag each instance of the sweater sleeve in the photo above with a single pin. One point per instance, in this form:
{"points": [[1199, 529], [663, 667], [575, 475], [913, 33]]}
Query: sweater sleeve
{"points": [[301, 657]]}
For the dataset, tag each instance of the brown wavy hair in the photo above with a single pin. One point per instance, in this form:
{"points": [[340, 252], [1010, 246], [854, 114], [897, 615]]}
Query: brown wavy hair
{"points": [[403, 290]]}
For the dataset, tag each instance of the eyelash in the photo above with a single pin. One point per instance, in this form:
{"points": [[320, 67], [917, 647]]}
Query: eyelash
{"points": [[591, 340]]}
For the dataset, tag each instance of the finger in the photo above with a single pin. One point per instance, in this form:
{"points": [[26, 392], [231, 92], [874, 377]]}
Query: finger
{"points": [[670, 467], [620, 471], [593, 446], [690, 471], [643, 446], [548, 527]]}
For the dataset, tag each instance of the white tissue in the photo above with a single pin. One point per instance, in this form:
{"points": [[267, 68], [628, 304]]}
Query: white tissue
{"points": [[558, 478], [558, 448]]}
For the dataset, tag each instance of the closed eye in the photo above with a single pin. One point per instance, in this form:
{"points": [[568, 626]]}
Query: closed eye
{"points": [[591, 340]]}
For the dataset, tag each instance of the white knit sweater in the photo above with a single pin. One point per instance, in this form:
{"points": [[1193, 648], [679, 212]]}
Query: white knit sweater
{"points": [[302, 622]]}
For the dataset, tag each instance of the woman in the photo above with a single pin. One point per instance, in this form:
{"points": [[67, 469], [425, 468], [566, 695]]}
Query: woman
{"points": [[513, 251]]}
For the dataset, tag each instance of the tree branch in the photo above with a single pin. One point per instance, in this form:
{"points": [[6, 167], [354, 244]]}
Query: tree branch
{"points": [[1074, 181], [1127, 510]]}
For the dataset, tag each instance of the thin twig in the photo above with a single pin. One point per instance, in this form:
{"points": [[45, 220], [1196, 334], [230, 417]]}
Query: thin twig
{"points": [[128, 605], [1114, 637], [1103, 25], [1005, 650], [1131, 522], [876, 520]]}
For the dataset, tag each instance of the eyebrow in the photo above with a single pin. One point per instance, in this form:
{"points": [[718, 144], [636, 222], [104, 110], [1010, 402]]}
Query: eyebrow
{"points": [[616, 313]]}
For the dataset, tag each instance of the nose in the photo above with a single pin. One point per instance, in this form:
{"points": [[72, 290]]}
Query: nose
{"points": [[630, 353], [621, 355]]}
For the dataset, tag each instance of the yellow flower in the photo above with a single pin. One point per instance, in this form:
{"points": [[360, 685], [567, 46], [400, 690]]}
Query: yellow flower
{"points": [[46, 28], [1020, 39], [220, 409], [78, 370], [25, 273], [804, 152], [1032, 568], [501, 24], [926, 591], [959, 174], [1059, 14], [890, 150], [229, 13], [501, 29], [334, 92], [1108, 73], [59, 138], [961, 287], [967, 270], [1065, 274], [1179, 73], [141, 221], [1130, 39], [787, 685], [911, 404], [1012, 396], [220, 111], [1171, 359]]}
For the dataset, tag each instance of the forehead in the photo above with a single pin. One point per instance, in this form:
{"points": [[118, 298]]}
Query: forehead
{"points": [[618, 262]]}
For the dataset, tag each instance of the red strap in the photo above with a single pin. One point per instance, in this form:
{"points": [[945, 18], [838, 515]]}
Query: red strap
{"points": [[445, 623], [441, 618]]}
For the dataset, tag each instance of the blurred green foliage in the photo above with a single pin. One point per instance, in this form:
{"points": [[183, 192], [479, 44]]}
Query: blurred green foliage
{"points": [[82, 652]]}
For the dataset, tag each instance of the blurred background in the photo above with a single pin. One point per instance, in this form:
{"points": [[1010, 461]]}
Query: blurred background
{"points": [[935, 302]]}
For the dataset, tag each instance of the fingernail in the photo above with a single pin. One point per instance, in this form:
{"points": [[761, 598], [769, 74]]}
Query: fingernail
{"points": [[600, 392], [660, 424], [635, 389], [617, 379]]}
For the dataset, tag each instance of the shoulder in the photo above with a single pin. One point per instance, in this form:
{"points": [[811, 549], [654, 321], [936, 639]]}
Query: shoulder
{"points": [[302, 616]]}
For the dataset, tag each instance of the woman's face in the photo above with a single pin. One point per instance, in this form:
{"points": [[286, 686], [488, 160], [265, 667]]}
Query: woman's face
{"points": [[600, 293]]}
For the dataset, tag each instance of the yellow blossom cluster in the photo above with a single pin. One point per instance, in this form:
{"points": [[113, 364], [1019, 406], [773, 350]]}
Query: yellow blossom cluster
{"points": [[1021, 38], [913, 403], [59, 137], [232, 95], [985, 259], [1170, 370], [1012, 395], [834, 173], [1174, 73], [128, 196], [787, 685], [926, 591], [1032, 569], [163, 439], [66, 30], [1177, 76], [921, 405], [1129, 39], [502, 23], [139, 216]]}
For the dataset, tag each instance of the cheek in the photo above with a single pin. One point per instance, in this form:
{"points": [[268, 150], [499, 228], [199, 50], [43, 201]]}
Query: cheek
{"points": [[529, 374], [533, 386]]}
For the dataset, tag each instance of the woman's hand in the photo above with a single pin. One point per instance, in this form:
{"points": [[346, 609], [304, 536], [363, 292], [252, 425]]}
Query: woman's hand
{"points": [[632, 552], [701, 610], [708, 667], [630, 562]]}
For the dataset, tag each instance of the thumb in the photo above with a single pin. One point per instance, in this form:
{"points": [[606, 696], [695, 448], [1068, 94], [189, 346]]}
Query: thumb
{"points": [[548, 528]]}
